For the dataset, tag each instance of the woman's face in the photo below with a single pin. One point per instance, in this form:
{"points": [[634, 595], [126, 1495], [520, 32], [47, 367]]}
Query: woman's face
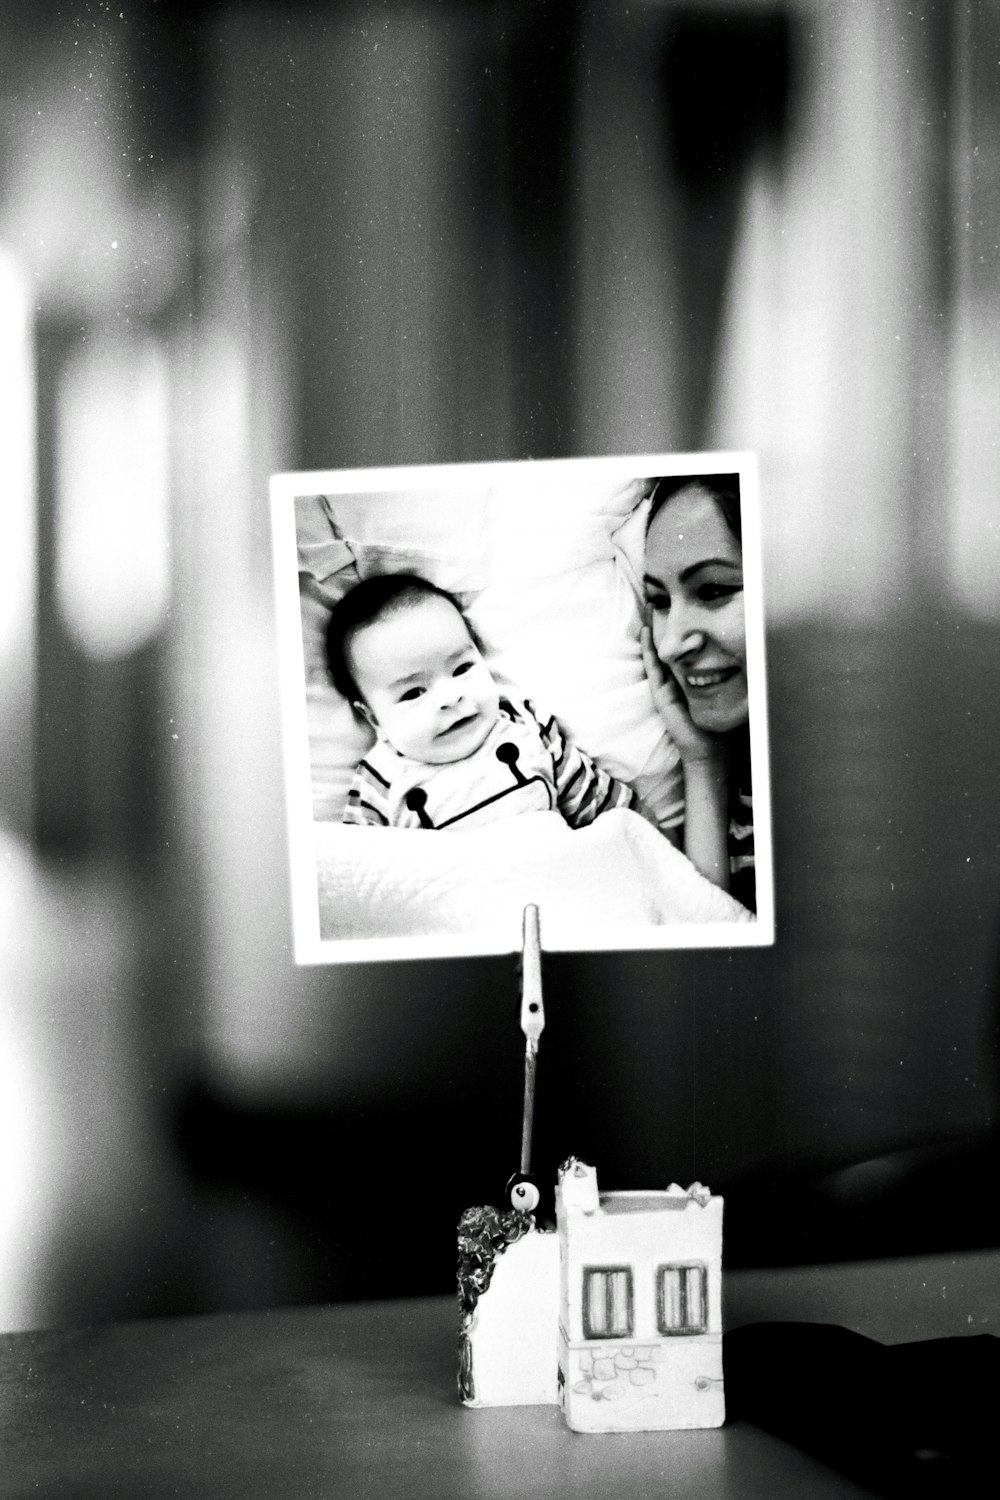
{"points": [[694, 587]]}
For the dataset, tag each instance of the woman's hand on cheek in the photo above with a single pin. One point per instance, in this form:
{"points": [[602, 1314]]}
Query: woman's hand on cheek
{"points": [[693, 744]]}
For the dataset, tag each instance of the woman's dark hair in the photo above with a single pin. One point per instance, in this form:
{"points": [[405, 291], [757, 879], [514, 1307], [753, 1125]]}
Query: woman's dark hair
{"points": [[723, 488], [370, 600]]}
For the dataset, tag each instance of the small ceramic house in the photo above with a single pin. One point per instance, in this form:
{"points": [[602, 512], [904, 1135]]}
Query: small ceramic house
{"points": [[617, 1316], [640, 1314]]}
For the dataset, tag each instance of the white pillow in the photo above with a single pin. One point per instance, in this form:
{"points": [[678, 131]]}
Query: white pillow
{"points": [[441, 534]]}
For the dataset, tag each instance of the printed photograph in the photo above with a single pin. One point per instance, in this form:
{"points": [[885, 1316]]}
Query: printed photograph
{"points": [[537, 683]]}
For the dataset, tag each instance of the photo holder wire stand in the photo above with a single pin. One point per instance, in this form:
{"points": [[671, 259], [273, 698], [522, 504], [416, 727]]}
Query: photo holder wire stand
{"points": [[522, 1189]]}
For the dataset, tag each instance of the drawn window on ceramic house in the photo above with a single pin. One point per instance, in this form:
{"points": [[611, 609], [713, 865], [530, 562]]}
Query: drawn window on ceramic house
{"points": [[607, 1302], [682, 1298]]}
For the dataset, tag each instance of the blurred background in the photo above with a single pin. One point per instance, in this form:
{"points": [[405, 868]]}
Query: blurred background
{"points": [[271, 237]]}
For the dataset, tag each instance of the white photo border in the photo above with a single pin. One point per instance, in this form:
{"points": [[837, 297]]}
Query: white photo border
{"points": [[309, 946]]}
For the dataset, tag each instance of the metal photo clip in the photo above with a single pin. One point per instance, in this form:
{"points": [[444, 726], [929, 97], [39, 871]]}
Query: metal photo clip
{"points": [[532, 1024]]}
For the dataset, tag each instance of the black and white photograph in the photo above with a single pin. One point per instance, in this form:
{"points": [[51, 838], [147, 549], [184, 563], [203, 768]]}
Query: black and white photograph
{"points": [[508, 653], [499, 790]]}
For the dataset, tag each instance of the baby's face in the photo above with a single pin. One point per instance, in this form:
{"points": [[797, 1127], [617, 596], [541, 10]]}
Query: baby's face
{"points": [[427, 689]]}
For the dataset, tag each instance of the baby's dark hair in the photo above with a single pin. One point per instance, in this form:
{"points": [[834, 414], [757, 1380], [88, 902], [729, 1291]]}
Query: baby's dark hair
{"points": [[723, 488], [368, 601]]}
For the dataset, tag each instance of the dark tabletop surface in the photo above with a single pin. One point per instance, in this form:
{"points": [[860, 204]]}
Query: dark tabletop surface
{"points": [[358, 1399]]}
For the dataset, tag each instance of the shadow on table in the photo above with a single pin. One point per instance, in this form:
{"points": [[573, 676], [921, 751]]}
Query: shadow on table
{"points": [[908, 1421]]}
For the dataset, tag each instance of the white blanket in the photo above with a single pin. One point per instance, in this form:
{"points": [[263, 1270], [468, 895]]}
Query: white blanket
{"points": [[612, 880]]}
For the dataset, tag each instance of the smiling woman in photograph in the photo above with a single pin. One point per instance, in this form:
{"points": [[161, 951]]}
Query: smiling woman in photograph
{"points": [[694, 649]]}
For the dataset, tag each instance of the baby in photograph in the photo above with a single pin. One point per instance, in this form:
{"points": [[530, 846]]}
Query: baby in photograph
{"points": [[451, 750]]}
